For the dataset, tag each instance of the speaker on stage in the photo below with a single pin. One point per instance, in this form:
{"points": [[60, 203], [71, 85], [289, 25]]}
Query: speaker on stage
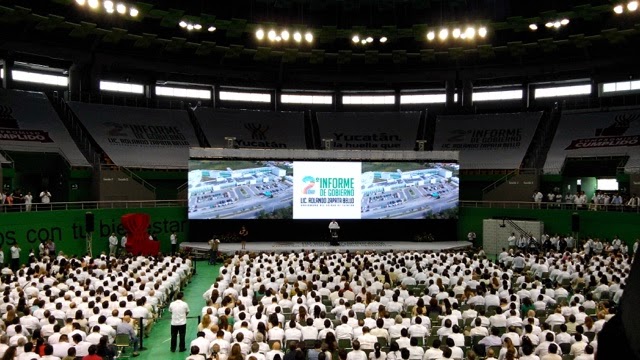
{"points": [[575, 222], [89, 223]]}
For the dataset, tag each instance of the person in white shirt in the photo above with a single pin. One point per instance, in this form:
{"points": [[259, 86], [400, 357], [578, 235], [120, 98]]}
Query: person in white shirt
{"points": [[173, 238], [433, 352], [45, 197], [179, 311], [587, 355], [356, 353], [28, 200], [15, 257], [113, 244], [537, 197]]}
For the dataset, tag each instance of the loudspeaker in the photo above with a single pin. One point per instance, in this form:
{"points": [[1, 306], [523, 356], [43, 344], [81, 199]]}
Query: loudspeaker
{"points": [[89, 222], [575, 222]]}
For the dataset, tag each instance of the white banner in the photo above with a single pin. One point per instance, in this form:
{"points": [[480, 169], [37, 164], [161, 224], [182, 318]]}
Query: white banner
{"points": [[253, 129], [497, 141], [29, 123], [370, 130], [139, 137], [612, 133], [327, 190]]}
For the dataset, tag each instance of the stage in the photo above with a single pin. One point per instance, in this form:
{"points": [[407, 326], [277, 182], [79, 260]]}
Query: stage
{"points": [[299, 246]]}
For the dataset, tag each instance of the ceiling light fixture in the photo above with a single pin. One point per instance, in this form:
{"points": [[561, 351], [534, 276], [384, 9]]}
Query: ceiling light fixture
{"points": [[285, 35], [355, 39], [533, 27], [297, 37], [383, 39], [197, 26], [133, 12], [108, 4], [363, 41], [618, 9], [482, 32], [260, 34], [456, 33], [308, 37], [271, 35], [121, 8], [369, 39], [443, 34], [564, 22], [80, 2], [470, 33], [213, 28], [431, 35], [632, 6], [182, 24], [93, 4], [189, 27]]}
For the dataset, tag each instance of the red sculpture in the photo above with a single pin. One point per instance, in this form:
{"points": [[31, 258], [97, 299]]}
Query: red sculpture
{"points": [[138, 242]]}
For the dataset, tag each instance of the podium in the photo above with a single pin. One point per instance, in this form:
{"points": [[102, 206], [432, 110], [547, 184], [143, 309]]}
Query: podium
{"points": [[333, 230]]}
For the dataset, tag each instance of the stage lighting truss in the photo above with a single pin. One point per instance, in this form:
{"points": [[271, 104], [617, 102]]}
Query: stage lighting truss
{"points": [[110, 7], [283, 36], [458, 33]]}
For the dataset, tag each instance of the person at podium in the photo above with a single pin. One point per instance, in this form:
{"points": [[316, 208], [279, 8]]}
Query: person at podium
{"points": [[333, 229]]}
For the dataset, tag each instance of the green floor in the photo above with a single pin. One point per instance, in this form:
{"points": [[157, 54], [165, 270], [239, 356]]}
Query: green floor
{"points": [[157, 344]]}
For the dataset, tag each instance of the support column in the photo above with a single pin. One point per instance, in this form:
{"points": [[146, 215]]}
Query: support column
{"points": [[467, 94], [7, 66], [526, 95], [75, 83], [397, 100], [450, 90]]}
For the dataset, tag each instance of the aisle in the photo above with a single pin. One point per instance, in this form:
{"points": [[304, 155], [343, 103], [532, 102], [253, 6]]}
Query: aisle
{"points": [[158, 342]]}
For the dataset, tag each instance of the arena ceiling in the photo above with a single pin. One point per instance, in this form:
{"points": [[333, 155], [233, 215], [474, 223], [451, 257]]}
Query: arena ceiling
{"points": [[595, 39]]}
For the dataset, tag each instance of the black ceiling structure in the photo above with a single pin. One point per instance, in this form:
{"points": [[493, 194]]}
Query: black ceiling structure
{"points": [[597, 43]]}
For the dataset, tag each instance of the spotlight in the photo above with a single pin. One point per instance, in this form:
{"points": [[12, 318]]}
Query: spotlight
{"points": [[431, 35], [533, 27], [285, 35], [121, 8], [183, 24], [618, 9], [383, 39], [363, 41], [632, 6], [355, 39], [80, 2], [93, 4], [133, 12], [271, 35], [197, 26], [456, 33], [549, 24], [482, 32], [564, 22], [108, 5], [470, 33], [189, 27], [308, 37], [369, 39], [443, 34], [297, 37], [557, 24], [213, 28], [278, 38], [260, 34]]}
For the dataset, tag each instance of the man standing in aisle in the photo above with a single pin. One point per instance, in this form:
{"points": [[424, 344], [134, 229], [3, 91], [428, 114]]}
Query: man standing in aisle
{"points": [[174, 243], [213, 251], [179, 311], [15, 257], [113, 244]]}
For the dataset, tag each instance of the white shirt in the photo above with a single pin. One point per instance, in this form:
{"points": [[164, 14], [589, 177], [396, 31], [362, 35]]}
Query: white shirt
{"points": [[15, 252], [123, 241], [45, 197], [113, 240], [174, 239], [28, 199], [179, 311]]}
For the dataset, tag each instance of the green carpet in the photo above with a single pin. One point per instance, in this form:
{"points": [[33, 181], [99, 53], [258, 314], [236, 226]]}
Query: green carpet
{"points": [[157, 344]]}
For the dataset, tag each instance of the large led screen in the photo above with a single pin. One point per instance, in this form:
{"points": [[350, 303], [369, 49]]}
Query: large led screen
{"points": [[236, 189]]}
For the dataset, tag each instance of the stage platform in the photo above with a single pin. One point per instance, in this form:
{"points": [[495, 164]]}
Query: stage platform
{"points": [[299, 246]]}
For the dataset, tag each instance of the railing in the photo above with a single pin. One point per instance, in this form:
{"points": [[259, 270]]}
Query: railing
{"points": [[79, 134], [6, 156], [136, 101], [91, 205], [546, 206], [505, 178], [131, 174], [516, 226]]}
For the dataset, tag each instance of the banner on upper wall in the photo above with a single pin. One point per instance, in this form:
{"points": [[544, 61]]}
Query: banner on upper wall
{"points": [[370, 130], [29, 123], [253, 129], [496, 141], [139, 137], [611, 133]]}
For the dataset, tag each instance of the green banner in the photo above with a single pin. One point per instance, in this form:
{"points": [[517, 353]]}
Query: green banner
{"points": [[67, 229]]}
